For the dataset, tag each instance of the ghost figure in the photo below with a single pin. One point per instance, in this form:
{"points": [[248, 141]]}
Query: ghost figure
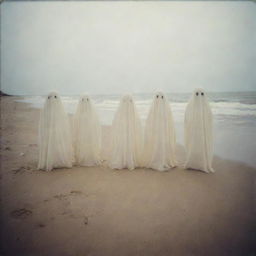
{"points": [[160, 140], [198, 133], [55, 141], [127, 137], [86, 133]]}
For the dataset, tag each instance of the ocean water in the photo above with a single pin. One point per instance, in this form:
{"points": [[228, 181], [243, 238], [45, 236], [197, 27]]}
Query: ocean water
{"points": [[234, 118]]}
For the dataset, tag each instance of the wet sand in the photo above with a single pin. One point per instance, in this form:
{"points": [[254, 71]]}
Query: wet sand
{"points": [[102, 212]]}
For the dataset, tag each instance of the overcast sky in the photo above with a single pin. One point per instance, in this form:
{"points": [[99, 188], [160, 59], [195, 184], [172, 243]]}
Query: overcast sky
{"points": [[117, 47]]}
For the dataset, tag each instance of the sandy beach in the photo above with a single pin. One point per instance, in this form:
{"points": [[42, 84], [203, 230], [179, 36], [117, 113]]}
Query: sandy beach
{"points": [[102, 212]]}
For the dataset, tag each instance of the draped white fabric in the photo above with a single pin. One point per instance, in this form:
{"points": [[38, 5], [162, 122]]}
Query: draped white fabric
{"points": [[127, 137], [86, 133], [160, 140], [198, 133], [128, 148], [55, 142]]}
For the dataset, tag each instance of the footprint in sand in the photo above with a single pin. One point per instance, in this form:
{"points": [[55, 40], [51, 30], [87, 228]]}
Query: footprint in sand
{"points": [[72, 192], [60, 196], [41, 225], [21, 169], [32, 145], [69, 212], [21, 213]]}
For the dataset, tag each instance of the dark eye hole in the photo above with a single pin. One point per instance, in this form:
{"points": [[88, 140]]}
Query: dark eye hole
{"points": [[197, 94], [49, 97], [162, 97], [157, 96], [202, 93], [55, 97]]}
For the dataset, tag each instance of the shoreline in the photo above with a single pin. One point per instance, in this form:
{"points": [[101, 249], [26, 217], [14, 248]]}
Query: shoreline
{"points": [[99, 211]]}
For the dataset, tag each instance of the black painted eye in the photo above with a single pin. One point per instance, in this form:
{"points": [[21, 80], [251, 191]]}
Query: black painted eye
{"points": [[202, 93], [157, 96], [197, 94], [55, 97], [162, 97]]}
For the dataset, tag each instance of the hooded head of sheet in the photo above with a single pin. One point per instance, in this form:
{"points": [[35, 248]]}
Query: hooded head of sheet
{"points": [[53, 101], [160, 105], [199, 99], [86, 114], [198, 132], [126, 145], [198, 106], [126, 104], [54, 110], [86, 133], [126, 111], [160, 140], [160, 95], [54, 135], [160, 111], [85, 105], [85, 98]]}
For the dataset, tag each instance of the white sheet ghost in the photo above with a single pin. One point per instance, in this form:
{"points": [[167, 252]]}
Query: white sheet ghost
{"points": [[160, 140], [86, 133], [198, 133], [55, 141], [127, 136]]}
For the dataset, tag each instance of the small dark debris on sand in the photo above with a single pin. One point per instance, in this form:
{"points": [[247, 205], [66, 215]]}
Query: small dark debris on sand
{"points": [[76, 192], [72, 192], [41, 225], [21, 213], [86, 220], [7, 148]]}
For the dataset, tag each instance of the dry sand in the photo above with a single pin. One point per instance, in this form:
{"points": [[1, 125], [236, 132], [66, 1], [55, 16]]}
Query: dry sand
{"points": [[101, 212]]}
